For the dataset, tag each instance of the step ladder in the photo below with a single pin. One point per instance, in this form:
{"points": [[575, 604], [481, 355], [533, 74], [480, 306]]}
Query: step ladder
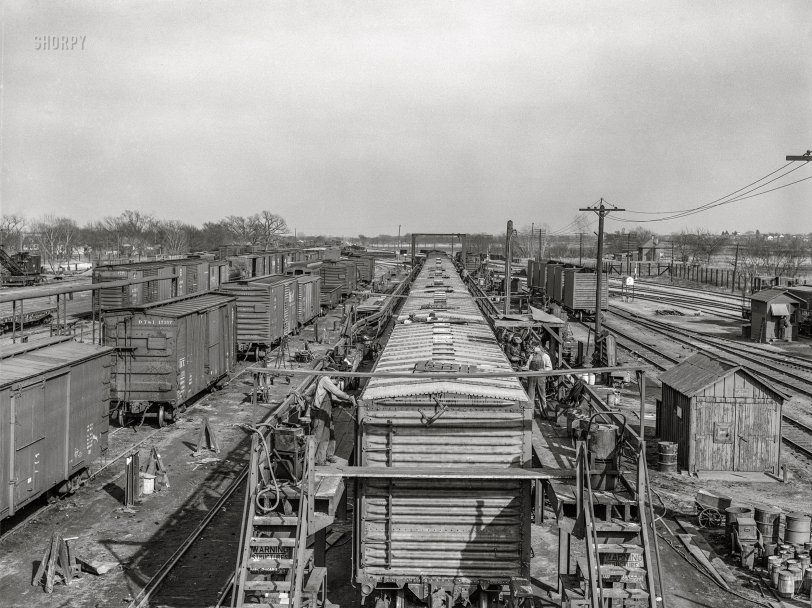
{"points": [[620, 559], [275, 567]]}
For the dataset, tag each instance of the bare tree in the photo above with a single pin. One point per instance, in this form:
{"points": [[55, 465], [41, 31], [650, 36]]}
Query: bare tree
{"points": [[56, 239], [242, 229], [269, 227], [11, 231], [684, 247], [706, 244], [173, 236]]}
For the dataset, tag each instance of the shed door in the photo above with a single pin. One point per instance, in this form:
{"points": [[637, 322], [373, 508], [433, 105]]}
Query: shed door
{"points": [[756, 436], [714, 435]]}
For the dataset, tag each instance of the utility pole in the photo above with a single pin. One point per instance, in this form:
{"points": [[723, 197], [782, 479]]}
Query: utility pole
{"points": [[508, 236], [532, 230], [805, 157], [397, 257], [580, 249], [602, 212], [735, 268]]}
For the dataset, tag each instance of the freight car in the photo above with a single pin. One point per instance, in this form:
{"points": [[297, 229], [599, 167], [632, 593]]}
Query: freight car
{"points": [[54, 399], [168, 352], [442, 540], [339, 273], [309, 298], [267, 311], [580, 286]]}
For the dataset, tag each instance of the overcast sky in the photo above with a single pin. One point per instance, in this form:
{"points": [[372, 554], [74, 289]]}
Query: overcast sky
{"points": [[354, 117]]}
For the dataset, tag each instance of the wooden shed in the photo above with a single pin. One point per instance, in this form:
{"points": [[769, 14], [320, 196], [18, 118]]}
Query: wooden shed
{"points": [[723, 417], [768, 307]]}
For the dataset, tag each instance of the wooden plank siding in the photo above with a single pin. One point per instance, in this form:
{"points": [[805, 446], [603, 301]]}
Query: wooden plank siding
{"points": [[733, 424]]}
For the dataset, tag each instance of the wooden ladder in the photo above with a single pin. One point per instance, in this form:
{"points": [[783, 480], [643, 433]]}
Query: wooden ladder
{"points": [[275, 567]]}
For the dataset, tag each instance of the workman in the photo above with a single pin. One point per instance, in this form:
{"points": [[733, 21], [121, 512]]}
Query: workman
{"points": [[540, 361], [783, 324], [323, 428], [514, 350]]}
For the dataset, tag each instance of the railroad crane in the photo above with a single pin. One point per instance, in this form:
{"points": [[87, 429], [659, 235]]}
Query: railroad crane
{"points": [[21, 269]]}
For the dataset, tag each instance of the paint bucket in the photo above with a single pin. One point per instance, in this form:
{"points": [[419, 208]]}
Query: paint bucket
{"points": [[734, 512], [147, 483], [768, 521], [786, 584], [797, 529], [667, 456]]}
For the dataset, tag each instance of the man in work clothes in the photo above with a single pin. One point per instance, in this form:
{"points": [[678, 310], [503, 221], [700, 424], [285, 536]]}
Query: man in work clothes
{"points": [[322, 416], [540, 361]]}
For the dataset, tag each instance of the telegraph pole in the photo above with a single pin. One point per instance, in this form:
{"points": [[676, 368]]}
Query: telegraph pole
{"points": [[580, 248], [602, 212], [507, 265], [805, 157], [735, 268]]}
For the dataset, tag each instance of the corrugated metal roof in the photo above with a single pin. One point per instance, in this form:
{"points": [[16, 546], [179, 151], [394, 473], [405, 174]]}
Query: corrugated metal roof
{"points": [[44, 357], [766, 295], [468, 340], [700, 371]]}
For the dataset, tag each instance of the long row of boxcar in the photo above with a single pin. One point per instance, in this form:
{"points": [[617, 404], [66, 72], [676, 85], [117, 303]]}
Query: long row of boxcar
{"points": [[164, 343], [472, 535], [570, 285]]}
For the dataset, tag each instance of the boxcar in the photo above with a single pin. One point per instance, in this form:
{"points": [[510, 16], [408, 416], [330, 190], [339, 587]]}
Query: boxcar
{"points": [[341, 273], [330, 297], [141, 293], [549, 280], [579, 290], [218, 273], [54, 397], [309, 298], [168, 352], [266, 311], [365, 266], [415, 535], [193, 276]]}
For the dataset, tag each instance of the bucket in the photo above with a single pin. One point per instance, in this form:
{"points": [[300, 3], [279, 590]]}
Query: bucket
{"points": [[667, 456], [797, 529], [786, 584], [147, 483], [768, 520], [806, 586], [769, 552], [734, 512]]}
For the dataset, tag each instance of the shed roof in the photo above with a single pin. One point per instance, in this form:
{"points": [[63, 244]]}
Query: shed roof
{"points": [[700, 371], [767, 295]]}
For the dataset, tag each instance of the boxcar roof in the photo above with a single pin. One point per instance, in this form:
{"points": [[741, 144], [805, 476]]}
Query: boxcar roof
{"points": [[438, 295], [179, 307], [41, 357], [699, 371]]}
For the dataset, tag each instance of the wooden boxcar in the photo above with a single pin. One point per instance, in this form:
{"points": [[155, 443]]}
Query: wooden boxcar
{"points": [[330, 297], [192, 276], [579, 290], [266, 311], [341, 273], [365, 266], [309, 298], [141, 293], [168, 352], [219, 271], [723, 417], [416, 535], [54, 400], [549, 281]]}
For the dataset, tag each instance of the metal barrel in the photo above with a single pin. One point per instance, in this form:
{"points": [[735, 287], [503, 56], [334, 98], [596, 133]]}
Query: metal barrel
{"points": [[734, 512], [768, 522], [603, 441], [797, 529], [786, 584], [667, 456], [806, 586]]}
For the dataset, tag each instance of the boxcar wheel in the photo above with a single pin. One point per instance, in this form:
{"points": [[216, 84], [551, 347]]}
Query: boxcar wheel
{"points": [[161, 416]]}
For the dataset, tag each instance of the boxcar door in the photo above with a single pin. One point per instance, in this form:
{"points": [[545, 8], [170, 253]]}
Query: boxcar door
{"points": [[28, 428], [215, 339], [756, 436], [714, 434]]}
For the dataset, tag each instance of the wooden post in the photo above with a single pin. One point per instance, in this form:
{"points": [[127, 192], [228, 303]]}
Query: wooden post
{"points": [[641, 382]]}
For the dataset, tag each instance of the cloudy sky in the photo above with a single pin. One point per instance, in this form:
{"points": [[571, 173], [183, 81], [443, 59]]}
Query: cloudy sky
{"points": [[354, 117]]}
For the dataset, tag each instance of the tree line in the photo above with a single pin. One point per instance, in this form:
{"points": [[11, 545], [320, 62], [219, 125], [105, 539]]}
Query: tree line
{"points": [[133, 233]]}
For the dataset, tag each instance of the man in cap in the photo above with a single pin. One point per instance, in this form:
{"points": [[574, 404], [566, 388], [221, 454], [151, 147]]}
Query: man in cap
{"points": [[540, 361], [322, 415]]}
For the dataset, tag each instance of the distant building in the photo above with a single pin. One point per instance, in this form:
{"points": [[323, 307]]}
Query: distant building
{"points": [[775, 314], [654, 251]]}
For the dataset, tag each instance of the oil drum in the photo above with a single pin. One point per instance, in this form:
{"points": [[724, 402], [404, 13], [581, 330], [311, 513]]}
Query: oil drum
{"points": [[667, 452], [768, 521], [603, 452], [797, 529]]}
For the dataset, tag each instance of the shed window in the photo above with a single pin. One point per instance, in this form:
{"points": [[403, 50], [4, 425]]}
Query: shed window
{"points": [[679, 412], [779, 310]]}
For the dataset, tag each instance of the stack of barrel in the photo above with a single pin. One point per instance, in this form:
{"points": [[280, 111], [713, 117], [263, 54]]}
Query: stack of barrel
{"points": [[787, 558]]}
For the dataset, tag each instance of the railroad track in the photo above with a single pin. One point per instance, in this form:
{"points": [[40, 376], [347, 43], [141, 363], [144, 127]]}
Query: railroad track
{"points": [[795, 434]]}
